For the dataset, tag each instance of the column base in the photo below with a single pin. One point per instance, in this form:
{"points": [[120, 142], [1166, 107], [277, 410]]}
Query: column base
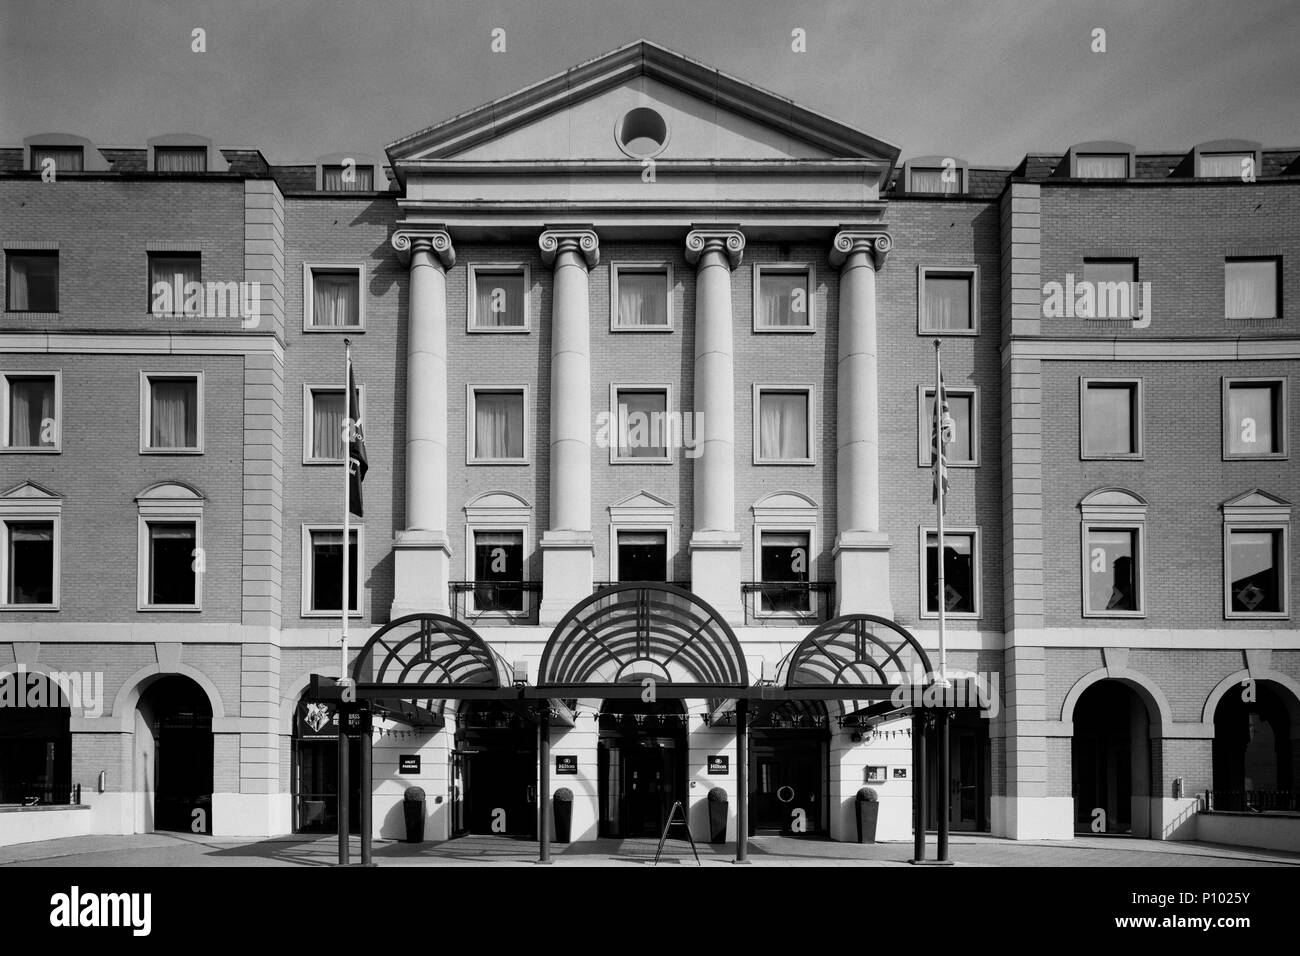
{"points": [[715, 572], [862, 573], [568, 560], [421, 573]]}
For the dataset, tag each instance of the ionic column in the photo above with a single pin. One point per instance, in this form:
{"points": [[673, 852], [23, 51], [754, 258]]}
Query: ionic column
{"points": [[715, 545], [422, 553], [568, 549], [861, 549]]}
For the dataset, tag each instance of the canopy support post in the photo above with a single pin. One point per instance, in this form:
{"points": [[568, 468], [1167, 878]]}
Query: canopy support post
{"points": [[544, 782], [742, 781], [918, 786]]}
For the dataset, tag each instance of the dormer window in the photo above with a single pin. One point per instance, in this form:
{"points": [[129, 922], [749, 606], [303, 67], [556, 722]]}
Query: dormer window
{"points": [[1101, 166], [348, 178], [1225, 165], [935, 179], [67, 159], [181, 159]]}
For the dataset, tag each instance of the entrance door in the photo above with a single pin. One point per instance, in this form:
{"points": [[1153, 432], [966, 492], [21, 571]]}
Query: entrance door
{"points": [[969, 774], [500, 793], [786, 775], [641, 762], [966, 763], [650, 786]]}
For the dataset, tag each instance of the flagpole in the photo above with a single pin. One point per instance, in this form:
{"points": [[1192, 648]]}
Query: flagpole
{"points": [[939, 476], [347, 502]]}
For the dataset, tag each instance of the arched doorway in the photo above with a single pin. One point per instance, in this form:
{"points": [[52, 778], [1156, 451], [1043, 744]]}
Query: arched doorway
{"points": [[35, 741], [1111, 760], [314, 771], [1254, 749], [173, 756], [789, 767], [496, 761], [641, 762]]}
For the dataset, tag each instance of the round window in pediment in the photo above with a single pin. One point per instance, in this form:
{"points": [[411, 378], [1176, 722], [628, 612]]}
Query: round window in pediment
{"points": [[642, 132]]}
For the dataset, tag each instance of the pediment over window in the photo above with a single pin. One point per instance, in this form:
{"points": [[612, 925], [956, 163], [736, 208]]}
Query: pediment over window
{"points": [[639, 501], [170, 491], [497, 499], [30, 491], [1113, 497], [784, 499], [1256, 499]]}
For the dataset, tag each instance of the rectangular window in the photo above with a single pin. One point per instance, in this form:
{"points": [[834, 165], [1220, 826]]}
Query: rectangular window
{"points": [[1225, 165], [643, 556], [1250, 288], [180, 159], [348, 178], [325, 439], [1101, 166], [172, 415], [33, 282], [783, 426], [499, 420], [67, 159], [333, 298], [172, 577], [32, 412], [1098, 271], [640, 297], [960, 573], [30, 563], [1254, 418], [947, 300], [498, 558], [325, 571], [1110, 419], [499, 299], [785, 559], [931, 179], [644, 431], [170, 274], [783, 299], [1112, 563], [964, 447], [1255, 564]]}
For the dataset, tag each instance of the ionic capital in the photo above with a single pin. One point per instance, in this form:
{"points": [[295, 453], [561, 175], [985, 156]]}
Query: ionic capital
{"points": [[730, 242], [875, 242], [433, 239], [585, 242]]}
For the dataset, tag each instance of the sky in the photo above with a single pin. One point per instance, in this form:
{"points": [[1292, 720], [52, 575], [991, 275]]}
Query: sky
{"points": [[982, 80]]}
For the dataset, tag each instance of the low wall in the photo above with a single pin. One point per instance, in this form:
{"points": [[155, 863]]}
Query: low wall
{"points": [[32, 824], [1271, 831]]}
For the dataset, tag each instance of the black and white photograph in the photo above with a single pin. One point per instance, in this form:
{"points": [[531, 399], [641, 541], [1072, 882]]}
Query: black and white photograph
{"points": [[656, 436]]}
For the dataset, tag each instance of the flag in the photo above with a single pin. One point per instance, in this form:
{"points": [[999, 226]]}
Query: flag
{"points": [[357, 464], [941, 433]]}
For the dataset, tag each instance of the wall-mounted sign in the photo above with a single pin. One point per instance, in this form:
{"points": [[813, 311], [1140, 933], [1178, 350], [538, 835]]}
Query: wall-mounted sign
{"points": [[900, 773], [408, 763], [319, 720], [875, 775], [566, 764], [719, 766]]}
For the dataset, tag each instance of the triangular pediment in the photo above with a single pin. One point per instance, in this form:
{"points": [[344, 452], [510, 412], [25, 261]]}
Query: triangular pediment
{"points": [[576, 115], [29, 491], [641, 501], [1256, 499]]}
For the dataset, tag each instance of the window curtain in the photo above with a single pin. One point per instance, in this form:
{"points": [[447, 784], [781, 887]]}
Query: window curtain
{"points": [[180, 160], [1226, 165], [335, 299], [1255, 402], [1250, 290], [947, 302], [959, 406], [499, 301], [69, 159], [327, 425], [498, 425], [643, 424], [776, 300], [33, 282], [173, 417], [19, 299], [783, 425], [642, 298], [333, 181], [31, 401], [1108, 420], [931, 181], [1101, 167], [175, 272]]}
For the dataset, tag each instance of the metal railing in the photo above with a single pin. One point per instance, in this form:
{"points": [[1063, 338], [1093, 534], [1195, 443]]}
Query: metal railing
{"points": [[1253, 801], [26, 794], [788, 602], [598, 585], [515, 601]]}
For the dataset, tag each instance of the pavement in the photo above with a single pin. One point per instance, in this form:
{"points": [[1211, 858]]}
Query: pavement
{"points": [[966, 850]]}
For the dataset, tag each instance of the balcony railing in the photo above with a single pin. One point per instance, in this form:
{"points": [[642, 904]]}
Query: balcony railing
{"points": [[598, 585], [1253, 801], [513, 601], [788, 602]]}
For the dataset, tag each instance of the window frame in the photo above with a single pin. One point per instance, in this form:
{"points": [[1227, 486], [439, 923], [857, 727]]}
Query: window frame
{"points": [[1101, 154], [1272, 514], [1277, 288], [787, 521], [924, 424], [806, 269], [755, 414], [471, 400], [947, 272], [642, 512], [1113, 509], [650, 265], [308, 564], [146, 391], [183, 513], [977, 571], [58, 279], [5, 399], [323, 167], [25, 510], [309, 391], [616, 445], [199, 148], [309, 270], [1137, 411], [1280, 423], [489, 513], [471, 297], [150, 255], [35, 167]]}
